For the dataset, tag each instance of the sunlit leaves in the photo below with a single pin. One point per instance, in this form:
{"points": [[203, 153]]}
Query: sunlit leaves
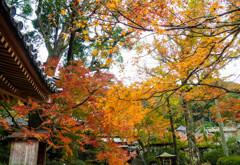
{"points": [[90, 107], [63, 12]]}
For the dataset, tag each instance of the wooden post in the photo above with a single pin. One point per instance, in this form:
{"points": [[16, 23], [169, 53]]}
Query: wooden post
{"points": [[24, 152], [42, 153], [27, 150]]}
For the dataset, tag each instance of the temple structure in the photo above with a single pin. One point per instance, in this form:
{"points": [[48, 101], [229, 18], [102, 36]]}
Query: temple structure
{"points": [[21, 78], [21, 74]]}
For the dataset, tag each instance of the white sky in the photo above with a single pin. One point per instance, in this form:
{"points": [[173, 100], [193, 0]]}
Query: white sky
{"points": [[131, 72], [232, 69]]}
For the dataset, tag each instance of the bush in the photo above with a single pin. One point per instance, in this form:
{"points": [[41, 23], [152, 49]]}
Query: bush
{"points": [[231, 160], [4, 152], [78, 162], [54, 163], [233, 145], [149, 156], [3, 163], [213, 156], [183, 159]]}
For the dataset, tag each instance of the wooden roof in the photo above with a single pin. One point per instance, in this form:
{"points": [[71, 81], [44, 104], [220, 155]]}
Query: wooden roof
{"points": [[21, 75], [181, 128], [166, 155], [20, 134], [225, 129]]}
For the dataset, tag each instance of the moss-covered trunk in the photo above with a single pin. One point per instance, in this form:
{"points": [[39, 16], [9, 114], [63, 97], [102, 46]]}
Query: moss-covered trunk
{"points": [[195, 157]]}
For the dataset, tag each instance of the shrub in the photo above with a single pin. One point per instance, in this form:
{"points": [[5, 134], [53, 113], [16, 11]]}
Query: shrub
{"points": [[4, 151], [230, 160], [54, 163], [3, 163], [183, 159], [149, 156], [213, 156], [233, 145], [77, 162]]}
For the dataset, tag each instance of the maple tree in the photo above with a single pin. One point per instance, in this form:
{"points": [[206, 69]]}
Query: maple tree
{"points": [[87, 110], [115, 113], [152, 130], [172, 77]]}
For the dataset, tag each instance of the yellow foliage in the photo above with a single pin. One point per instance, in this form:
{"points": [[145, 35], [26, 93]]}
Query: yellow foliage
{"points": [[79, 24], [95, 52], [85, 32], [64, 35], [63, 12]]}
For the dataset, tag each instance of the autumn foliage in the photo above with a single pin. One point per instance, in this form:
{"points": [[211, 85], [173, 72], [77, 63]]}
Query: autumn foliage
{"points": [[88, 109], [191, 41]]}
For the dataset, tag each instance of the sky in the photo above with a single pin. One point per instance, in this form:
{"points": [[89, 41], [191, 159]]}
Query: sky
{"points": [[128, 75], [131, 72], [232, 69]]}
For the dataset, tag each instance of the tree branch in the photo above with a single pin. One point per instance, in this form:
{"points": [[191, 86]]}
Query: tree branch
{"points": [[12, 117], [90, 94], [216, 86]]}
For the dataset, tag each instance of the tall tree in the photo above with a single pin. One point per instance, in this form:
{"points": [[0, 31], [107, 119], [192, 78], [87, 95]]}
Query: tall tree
{"points": [[69, 29]]}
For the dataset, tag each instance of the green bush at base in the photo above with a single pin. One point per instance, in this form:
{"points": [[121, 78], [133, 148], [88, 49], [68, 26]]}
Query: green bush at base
{"points": [[149, 156], [2, 163], [213, 156], [77, 162], [231, 160], [54, 163]]}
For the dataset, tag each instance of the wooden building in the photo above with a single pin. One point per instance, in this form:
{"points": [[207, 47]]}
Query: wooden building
{"points": [[21, 77], [29, 151], [21, 74], [166, 159], [210, 131]]}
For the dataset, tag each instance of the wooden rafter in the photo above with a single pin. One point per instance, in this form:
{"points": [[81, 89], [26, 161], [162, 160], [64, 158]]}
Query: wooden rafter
{"points": [[20, 73]]}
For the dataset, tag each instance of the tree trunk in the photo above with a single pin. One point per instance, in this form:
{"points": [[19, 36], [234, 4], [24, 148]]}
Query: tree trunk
{"points": [[195, 157], [223, 139], [173, 133], [204, 131], [140, 154], [57, 49]]}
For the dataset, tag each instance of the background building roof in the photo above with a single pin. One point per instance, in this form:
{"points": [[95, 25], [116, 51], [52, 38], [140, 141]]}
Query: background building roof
{"points": [[181, 128], [225, 129]]}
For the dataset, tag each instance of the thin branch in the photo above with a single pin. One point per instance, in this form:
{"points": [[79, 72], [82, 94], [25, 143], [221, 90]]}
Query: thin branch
{"points": [[12, 117], [216, 86], [86, 99]]}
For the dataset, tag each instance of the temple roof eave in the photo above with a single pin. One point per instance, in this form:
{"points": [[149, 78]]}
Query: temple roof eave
{"points": [[20, 71]]}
